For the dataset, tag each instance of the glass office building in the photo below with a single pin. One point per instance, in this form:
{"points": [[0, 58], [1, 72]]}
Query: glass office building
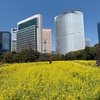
{"points": [[98, 27], [5, 41], [29, 33]]}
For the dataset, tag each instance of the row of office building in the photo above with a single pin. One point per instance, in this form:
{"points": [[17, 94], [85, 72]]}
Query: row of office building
{"points": [[30, 35]]}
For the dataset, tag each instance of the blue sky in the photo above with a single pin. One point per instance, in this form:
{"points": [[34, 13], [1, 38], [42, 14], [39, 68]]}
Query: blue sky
{"points": [[13, 11]]}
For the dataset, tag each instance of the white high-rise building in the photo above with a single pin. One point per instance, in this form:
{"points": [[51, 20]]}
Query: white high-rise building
{"points": [[87, 42], [29, 34], [69, 32], [13, 39]]}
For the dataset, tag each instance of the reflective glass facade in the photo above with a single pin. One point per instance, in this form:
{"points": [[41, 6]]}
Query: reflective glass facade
{"points": [[98, 26], [29, 33], [27, 38], [28, 23], [5, 41]]}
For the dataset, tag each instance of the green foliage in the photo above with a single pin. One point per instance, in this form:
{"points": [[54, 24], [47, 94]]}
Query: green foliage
{"points": [[96, 50], [23, 56], [49, 57], [17, 57], [8, 57], [89, 53]]}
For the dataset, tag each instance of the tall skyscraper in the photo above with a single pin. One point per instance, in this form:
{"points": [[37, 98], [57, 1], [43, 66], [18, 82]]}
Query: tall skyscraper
{"points": [[46, 41], [69, 32], [98, 27], [29, 33], [5, 41], [14, 39]]}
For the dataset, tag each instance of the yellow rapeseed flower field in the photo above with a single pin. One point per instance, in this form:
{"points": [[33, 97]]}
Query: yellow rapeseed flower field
{"points": [[60, 80]]}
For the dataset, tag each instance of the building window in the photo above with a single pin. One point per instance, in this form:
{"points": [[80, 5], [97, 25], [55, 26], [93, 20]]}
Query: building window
{"points": [[28, 23], [44, 46]]}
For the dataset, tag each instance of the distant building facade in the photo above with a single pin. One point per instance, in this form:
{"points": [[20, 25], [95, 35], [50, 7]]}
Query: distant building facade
{"points": [[5, 41], [46, 41], [69, 32], [98, 27], [29, 33], [14, 39], [87, 42]]}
